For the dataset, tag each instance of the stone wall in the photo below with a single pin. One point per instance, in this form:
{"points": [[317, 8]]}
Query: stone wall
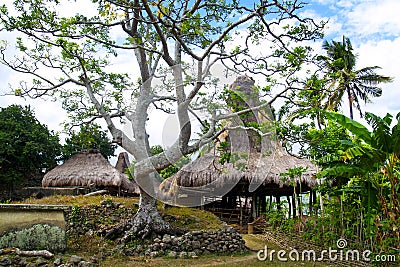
{"points": [[193, 244]]}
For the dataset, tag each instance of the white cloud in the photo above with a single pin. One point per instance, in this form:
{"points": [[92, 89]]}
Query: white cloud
{"points": [[383, 53], [375, 17]]}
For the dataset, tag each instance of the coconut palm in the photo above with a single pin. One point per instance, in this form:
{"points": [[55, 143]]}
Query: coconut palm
{"points": [[359, 85]]}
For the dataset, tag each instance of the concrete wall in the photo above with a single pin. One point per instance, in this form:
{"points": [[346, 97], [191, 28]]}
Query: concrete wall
{"points": [[33, 227]]}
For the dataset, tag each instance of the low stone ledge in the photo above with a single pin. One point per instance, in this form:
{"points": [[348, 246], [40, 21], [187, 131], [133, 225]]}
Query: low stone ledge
{"points": [[192, 244]]}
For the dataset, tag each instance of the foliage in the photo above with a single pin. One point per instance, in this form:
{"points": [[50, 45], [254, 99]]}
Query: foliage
{"points": [[361, 189], [358, 84], [27, 147], [376, 157], [90, 136], [172, 169]]}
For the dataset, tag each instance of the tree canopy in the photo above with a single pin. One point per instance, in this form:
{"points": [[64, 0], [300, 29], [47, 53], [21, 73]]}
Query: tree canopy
{"points": [[344, 78], [90, 136], [27, 147]]}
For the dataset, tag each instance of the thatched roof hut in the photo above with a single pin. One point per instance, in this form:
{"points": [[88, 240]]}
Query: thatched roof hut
{"points": [[88, 168], [257, 166]]}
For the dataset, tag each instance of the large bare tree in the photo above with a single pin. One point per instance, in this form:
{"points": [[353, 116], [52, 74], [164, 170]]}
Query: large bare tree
{"points": [[171, 48]]}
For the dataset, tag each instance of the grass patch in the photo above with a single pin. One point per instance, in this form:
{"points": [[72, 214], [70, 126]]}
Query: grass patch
{"points": [[247, 260], [192, 219], [78, 200]]}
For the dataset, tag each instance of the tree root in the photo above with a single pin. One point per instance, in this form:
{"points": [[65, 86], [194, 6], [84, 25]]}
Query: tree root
{"points": [[143, 225]]}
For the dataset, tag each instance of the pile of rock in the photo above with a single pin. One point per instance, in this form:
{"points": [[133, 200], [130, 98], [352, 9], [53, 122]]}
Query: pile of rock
{"points": [[193, 244], [17, 261]]}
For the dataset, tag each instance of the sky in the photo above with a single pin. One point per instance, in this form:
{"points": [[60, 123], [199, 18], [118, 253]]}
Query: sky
{"points": [[372, 26]]}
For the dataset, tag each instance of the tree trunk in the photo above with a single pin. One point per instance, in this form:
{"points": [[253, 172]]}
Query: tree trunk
{"points": [[294, 208], [350, 103], [146, 222]]}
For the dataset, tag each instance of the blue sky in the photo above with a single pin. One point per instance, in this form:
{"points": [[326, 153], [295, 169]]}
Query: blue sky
{"points": [[372, 26]]}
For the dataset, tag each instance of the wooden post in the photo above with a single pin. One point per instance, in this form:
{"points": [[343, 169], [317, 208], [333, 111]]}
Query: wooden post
{"points": [[241, 212], [270, 202], [254, 206], [250, 228], [245, 205], [224, 201], [299, 202], [315, 202], [278, 202], [263, 205], [290, 207], [294, 206]]}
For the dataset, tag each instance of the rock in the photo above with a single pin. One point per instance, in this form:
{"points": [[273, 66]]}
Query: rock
{"points": [[6, 261], [164, 246], [129, 252], [198, 251], [85, 264], [196, 244], [192, 254], [166, 239], [75, 259], [89, 233], [153, 254], [94, 259], [22, 262], [206, 252], [16, 258], [57, 261], [183, 255], [41, 262], [139, 249], [172, 254], [211, 247]]}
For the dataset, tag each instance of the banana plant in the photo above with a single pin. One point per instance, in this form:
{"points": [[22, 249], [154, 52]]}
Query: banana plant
{"points": [[374, 154]]}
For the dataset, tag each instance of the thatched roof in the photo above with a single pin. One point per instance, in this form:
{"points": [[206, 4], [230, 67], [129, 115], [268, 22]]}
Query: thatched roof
{"points": [[88, 168], [257, 170], [258, 165]]}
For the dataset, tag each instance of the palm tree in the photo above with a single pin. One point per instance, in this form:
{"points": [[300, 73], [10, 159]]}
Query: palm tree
{"points": [[359, 85]]}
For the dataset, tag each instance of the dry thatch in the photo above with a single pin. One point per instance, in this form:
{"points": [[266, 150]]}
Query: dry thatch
{"points": [[257, 171], [259, 163], [88, 168]]}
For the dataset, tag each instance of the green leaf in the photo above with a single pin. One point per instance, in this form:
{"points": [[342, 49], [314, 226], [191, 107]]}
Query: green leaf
{"points": [[353, 126]]}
